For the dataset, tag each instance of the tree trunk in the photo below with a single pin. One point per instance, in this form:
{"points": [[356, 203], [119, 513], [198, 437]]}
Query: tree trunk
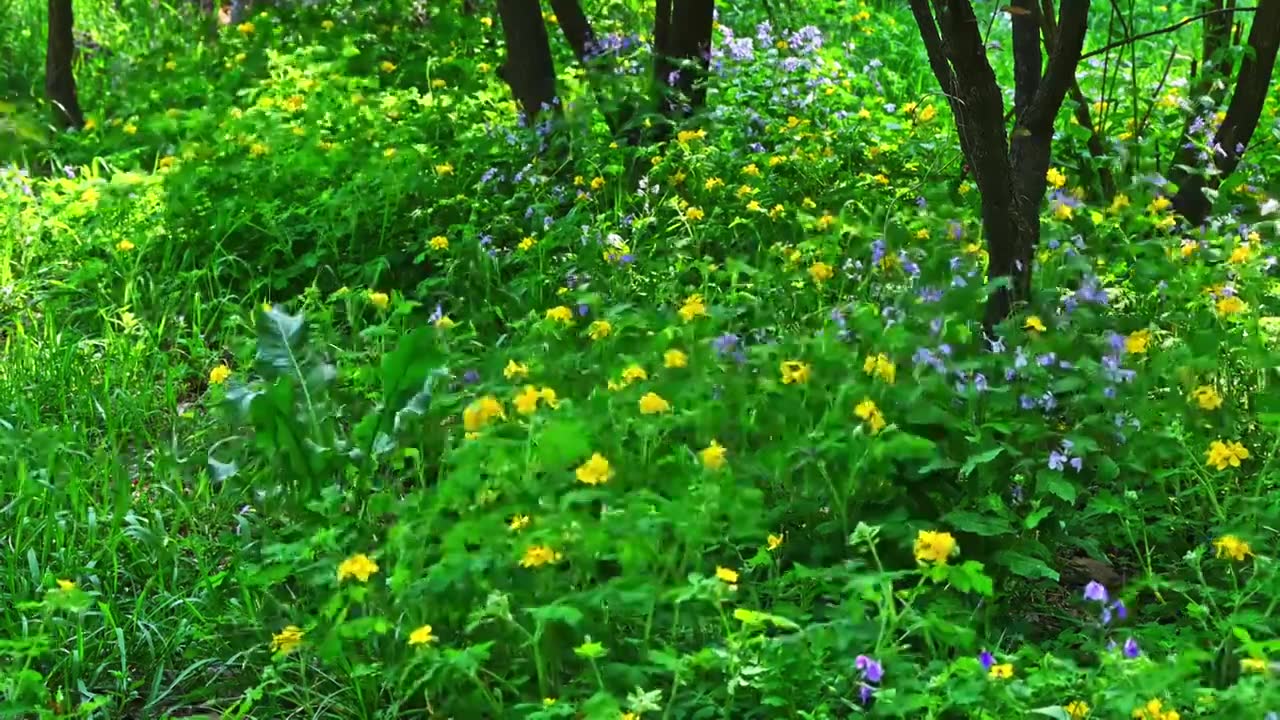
{"points": [[1049, 32], [1010, 171], [1243, 113], [528, 69], [60, 79], [682, 42]]}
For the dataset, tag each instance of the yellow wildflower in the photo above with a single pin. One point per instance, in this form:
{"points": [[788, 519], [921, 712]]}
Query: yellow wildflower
{"points": [[1240, 254], [421, 636], [1034, 323], [633, 373], [537, 556], [751, 170], [713, 456], [444, 169], [600, 329], [674, 359], [519, 522], [595, 471], [1253, 665], [652, 403], [561, 314], [219, 374], [867, 411], [774, 541], [66, 585], [1222, 455], [693, 308], [515, 370], [1232, 547], [1136, 343], [934, 547], [245, 28], [694, 214], [358, 566], [439, 242], [527, 243], [880, 366], [1207, 397], [1056, 178], [794, 371], [526, 401], [1230, 305], [821, 272], [379, 300], [387, 66], [727, 575], [1077, 710], [479, 413], [287, 640], [1003, 671], [1160, 204]]}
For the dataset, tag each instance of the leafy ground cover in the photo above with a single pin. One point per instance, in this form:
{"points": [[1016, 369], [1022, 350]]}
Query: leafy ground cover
{"points": [[331, 390]]}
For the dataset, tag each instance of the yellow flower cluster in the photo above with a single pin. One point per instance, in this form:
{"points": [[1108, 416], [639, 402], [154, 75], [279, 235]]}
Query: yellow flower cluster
{"points": [[1207, 397], [538, 555], [595, 471], [713, 456], [1223, 455], [1154, 710], [880, 366], [1232, 547], [526, 401], [652, 403], [867, 411], [794, 371], [934, 547], [693, 308], [479, 413]]}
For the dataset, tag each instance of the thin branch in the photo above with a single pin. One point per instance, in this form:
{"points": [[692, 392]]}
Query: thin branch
{"points": [[1162, 31], [1073, 21], [934, 49]]}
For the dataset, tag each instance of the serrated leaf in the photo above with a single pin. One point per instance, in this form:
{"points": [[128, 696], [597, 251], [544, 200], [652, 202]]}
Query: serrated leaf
{"points": [[977, 523], [281, 341], [981, 458], [1026, 566]]}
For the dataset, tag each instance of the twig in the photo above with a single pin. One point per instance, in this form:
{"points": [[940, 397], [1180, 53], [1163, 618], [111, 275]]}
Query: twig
{"points": [[1162, 31]]}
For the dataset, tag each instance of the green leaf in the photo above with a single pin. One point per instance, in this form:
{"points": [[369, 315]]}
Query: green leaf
{"points": [[978, 524], [1025, 565], [566, 614], [981, 458], [1055, 483], [561, 442], [1036, 516], [281, 343]]}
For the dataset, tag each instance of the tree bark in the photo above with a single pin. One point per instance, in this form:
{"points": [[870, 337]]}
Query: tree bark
{"points": [[682, 41], [1049, 33], [529, 69], [60, 79], [1009, 171], [1243, 113]]}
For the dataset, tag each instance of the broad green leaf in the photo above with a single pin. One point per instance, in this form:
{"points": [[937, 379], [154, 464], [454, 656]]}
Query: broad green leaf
{"points": [[978, 524], [1025, 565]]}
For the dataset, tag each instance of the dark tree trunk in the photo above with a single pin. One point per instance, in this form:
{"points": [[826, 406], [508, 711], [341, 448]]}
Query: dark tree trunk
{"points": [[1243, 113], [682, 42], [1049, 33], [1208, 90], [528, 69], [1009, 170], [59, 74]]}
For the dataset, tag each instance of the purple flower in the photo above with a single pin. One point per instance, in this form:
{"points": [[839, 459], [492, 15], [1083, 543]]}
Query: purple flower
{"points": [[1131, 649], [865, 692], [437, 315], [1077, 464], [471, 377], [583, 309], [1095, 591], [1057, 461], [871, 669], [987, 660]]}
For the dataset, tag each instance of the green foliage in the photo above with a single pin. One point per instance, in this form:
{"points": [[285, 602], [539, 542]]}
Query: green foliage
{"points": [[328, 389]]}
